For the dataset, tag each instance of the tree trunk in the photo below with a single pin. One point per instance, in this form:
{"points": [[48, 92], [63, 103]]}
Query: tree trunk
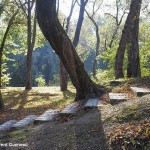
{"points": [[97, 44], [29, 52], [80, 21], [126, 38], [70, 15], [30, 42], [57, 37], [133, 68], [97, 49], [63, 73], [1, 101], [63, 77]]}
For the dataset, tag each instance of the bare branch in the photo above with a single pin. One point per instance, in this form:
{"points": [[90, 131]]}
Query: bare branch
{"points": [[22, 6]]}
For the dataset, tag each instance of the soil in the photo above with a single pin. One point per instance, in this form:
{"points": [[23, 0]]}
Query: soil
{"points": [[88, 130]]}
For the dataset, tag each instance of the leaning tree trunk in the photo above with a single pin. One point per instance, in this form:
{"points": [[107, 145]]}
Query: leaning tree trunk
{"points": [[2, 45], [133, 68], [126, 38], [79, 23], [63, 73], [57, 37], [1, 101], [63, 77]]}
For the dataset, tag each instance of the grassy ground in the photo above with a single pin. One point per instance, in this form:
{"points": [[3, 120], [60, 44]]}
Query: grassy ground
{"points": [[123, 126], [19, 102]]}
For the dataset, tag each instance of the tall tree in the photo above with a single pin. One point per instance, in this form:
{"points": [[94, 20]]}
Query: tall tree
{"points": [[129, 40], [10, 23], [118, 19], [133, 66], [63, 73], [91, 17], [31, 36], [57, 37], [30, 42], [79, 23], [2, 45]]}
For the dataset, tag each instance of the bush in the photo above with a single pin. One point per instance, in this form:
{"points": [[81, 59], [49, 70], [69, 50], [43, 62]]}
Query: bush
{"points": [[40, 81]]}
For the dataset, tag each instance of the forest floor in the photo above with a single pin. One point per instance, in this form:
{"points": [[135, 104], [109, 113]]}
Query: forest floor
{"points": [[124, 126]]}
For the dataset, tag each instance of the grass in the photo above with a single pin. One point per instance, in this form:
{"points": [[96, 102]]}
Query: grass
{"points": [[19, 102]]}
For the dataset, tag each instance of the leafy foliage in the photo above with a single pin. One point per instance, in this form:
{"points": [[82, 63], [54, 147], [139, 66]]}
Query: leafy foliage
{"points": [[40, 81], [135, 136]]}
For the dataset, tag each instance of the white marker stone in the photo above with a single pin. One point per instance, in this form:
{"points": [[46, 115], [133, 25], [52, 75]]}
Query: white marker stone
{"points": [[118, 97], [92, 103], [140, 91], [7, 125], [25, 122], [47, 116], [70, 109]]}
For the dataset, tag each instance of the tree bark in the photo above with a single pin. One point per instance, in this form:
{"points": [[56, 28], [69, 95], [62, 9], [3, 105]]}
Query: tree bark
{"points": [[133, 68], [126, 38], [30, 42], [1, 101], [63, 77], [79, 23], [29, 52], [57, 37], [63, 73]]}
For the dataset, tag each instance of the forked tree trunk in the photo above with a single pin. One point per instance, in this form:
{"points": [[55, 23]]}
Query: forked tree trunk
{"points": [[57, 37], [127, 40]]}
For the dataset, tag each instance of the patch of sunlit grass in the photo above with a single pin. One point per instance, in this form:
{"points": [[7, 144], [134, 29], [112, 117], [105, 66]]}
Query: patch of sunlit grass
{"points": [[35, 101]]}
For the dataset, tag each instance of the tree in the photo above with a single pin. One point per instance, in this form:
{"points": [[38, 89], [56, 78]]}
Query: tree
{"points": [[31, 36], [31, 42], [2, 45], [57, 37], [118, 19], [79, 23], [129, 40], [63, 72], [133, 67], [91, 17]]}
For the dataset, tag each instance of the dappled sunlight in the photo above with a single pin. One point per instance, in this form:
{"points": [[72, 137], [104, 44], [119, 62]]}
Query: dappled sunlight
{"points": [[19, 102]]}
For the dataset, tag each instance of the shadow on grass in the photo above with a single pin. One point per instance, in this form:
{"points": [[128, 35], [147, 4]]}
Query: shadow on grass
{"points": [[19, 104], [85, 132]]}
